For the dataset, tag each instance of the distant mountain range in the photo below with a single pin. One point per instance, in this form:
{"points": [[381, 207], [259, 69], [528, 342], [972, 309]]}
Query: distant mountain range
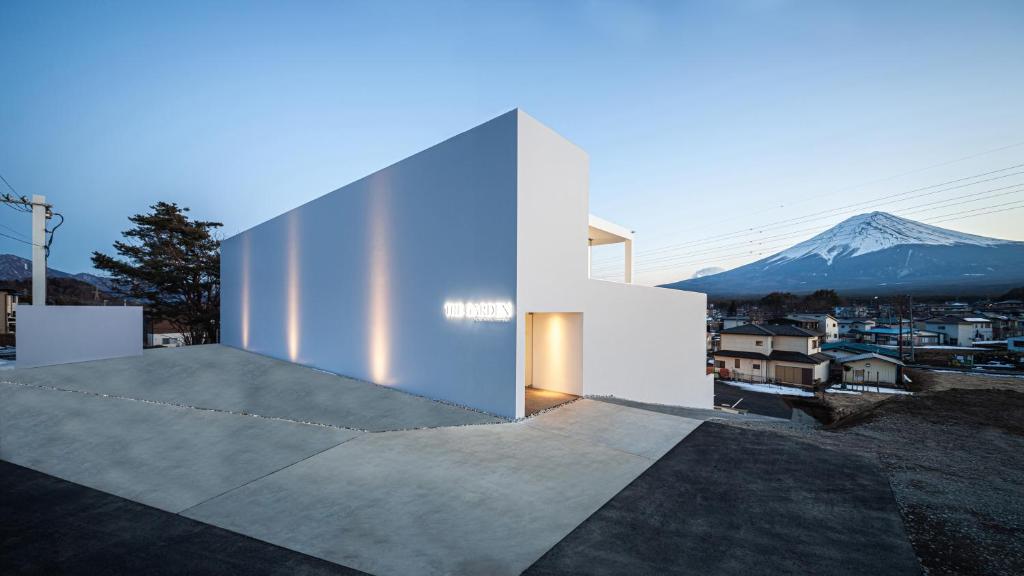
{"points": [[876, 253], [17, 268]]}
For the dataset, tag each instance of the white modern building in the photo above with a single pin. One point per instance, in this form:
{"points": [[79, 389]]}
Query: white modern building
{"points": [[462, 274], [956, 331]]}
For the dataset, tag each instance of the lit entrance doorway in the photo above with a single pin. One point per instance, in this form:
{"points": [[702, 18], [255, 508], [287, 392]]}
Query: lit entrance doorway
{"points": [[554, 359]]}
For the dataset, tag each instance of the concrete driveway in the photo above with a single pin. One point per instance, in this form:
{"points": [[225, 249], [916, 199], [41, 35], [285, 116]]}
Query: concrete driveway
{"points": [[230, 380], [343, 470]]}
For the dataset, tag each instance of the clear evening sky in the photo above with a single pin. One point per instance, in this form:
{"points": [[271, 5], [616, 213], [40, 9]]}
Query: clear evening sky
{"points": [[700, 118]]}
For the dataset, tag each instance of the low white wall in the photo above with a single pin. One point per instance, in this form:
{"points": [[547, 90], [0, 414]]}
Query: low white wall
{"points": [[63, 334], [645, 344]]}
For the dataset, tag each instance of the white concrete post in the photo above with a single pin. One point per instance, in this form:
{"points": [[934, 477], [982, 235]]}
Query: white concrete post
{"points": [[629, 261], [38, 250], [590, 256]]}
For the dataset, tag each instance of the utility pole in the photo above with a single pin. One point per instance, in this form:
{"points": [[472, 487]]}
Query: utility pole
{"points": [[899, 334], [911, 328], [40, 212]]}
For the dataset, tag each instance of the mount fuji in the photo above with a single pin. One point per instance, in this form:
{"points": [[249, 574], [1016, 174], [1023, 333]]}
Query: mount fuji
{"points": [[876, 253]]}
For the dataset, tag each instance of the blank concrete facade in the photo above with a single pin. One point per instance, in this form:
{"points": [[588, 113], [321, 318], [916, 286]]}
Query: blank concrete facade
{"points": [[426, 275], [50, 335]]}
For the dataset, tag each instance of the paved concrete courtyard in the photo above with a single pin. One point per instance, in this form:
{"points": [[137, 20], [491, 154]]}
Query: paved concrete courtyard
{"points": [[342, 470], [227, 379]]}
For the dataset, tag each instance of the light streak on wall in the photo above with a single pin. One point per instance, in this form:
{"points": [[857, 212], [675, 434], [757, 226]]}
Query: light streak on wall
{"points": [[246, 271], [292, 329], [558, 346], [379, 329]]}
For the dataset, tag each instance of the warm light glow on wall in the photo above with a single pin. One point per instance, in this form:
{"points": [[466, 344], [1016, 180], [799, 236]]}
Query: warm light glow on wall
{"points": [[246, 254], [292, 329], [499, 311], [380, 282], [558, 345]]}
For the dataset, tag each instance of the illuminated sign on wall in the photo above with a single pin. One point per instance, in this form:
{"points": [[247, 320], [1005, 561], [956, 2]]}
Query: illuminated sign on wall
{"points": [[479, 311]]}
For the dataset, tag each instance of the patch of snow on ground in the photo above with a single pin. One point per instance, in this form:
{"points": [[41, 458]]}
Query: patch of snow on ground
{"points": [[838, 391], [769, 388], [876, 389], [978, 373]]}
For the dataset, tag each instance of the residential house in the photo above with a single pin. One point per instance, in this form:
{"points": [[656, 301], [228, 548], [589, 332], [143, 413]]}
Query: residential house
{"points": [[858, 311], [844, 325], [9, 302], [773, 352], [892, 322], [955, 331], [888, 336], [1002, 325], [734, 321], [163, 333], [824, 323], [862, 324], [872, 369]]}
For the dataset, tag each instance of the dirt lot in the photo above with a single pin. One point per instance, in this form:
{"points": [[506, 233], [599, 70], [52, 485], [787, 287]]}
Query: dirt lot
{"points": [[937, 380], [955, 461]]}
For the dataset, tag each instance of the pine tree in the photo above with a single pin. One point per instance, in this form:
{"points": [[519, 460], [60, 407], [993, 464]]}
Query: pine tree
{"points": [[171, 264]]}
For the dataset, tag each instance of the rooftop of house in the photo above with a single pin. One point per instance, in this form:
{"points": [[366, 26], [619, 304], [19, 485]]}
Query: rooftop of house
{"points": [[772, 330], [954, 320], [809, 316], [870, 356], [887, 330], [858, 347], [778, 355]]}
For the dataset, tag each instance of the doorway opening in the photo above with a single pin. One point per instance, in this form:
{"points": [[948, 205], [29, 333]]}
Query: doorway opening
{"points": [[554, 359]]}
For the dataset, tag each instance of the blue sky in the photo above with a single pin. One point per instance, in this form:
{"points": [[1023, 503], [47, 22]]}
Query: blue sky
{"points": [[700, 118]]}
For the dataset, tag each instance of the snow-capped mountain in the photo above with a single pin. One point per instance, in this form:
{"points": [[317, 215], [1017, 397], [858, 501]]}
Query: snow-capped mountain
{"points": [[866, 233], [877, 253]]}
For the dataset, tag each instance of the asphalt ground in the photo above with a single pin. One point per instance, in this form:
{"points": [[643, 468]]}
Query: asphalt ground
{"points": [[51, 526], [729, 500]]}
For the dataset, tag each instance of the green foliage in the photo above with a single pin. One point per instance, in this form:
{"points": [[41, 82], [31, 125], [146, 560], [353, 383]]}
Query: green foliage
{"points": [[172, 264]]}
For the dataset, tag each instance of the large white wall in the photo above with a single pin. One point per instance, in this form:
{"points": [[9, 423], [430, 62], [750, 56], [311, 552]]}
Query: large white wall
{"points": [[354, 282], [640, 343], [63, 334]]}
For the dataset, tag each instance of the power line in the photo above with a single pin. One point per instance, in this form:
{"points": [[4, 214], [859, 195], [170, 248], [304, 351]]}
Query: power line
{"points": [[13, 191], [18, 202], [12, 230], [984, 213], [808, 198], [1005, 207], [938, 204], [757, 229], [18, 239]]}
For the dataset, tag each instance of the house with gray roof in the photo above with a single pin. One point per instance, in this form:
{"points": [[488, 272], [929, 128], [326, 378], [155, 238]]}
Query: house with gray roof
{"points": [[780, 353]]}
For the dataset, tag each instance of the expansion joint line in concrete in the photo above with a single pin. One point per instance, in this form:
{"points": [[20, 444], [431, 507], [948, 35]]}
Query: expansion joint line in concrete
{"points": [[272, 472], [177, 405], [235, 412]]}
